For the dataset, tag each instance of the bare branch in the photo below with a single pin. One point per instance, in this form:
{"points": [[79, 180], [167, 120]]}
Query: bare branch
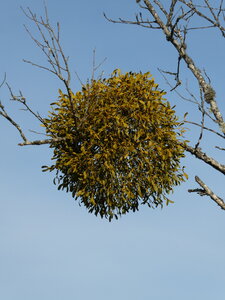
{"points": [[206, 191], [40, 66], [40, 142], [171, 12], [21, 99], [197, 152], [6, 116], [174, 89], [50, 45], [139, 21], [159, 4], [214, 22], [193, 99]]}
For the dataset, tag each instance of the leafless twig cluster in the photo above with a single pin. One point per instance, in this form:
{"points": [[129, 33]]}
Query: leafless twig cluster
{"points": [[48, 41]]}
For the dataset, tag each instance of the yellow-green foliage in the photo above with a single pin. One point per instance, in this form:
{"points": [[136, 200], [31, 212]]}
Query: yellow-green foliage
{"points": [[120, 146]]}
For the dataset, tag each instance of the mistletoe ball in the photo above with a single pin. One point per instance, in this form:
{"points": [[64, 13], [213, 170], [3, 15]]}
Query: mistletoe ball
{"points": [[116, 144]]}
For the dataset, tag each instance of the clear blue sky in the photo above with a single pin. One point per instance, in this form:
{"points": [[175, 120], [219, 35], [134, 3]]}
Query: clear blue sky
{"points": [[50, 248]]}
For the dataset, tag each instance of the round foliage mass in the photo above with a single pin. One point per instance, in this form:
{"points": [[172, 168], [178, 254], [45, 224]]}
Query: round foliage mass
{"points": [[116, 144]]}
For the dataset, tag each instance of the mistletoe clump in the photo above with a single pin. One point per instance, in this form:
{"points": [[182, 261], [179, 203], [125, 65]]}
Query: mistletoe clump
{"points": [[116, 144]]}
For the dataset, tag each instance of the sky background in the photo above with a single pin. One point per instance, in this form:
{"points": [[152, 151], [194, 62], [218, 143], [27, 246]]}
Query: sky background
{"points": [[50, 247]]}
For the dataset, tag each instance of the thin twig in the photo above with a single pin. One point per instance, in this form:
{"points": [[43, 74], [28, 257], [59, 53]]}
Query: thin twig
{"points": [[205, 128], [202, 122], [220, 148]]}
